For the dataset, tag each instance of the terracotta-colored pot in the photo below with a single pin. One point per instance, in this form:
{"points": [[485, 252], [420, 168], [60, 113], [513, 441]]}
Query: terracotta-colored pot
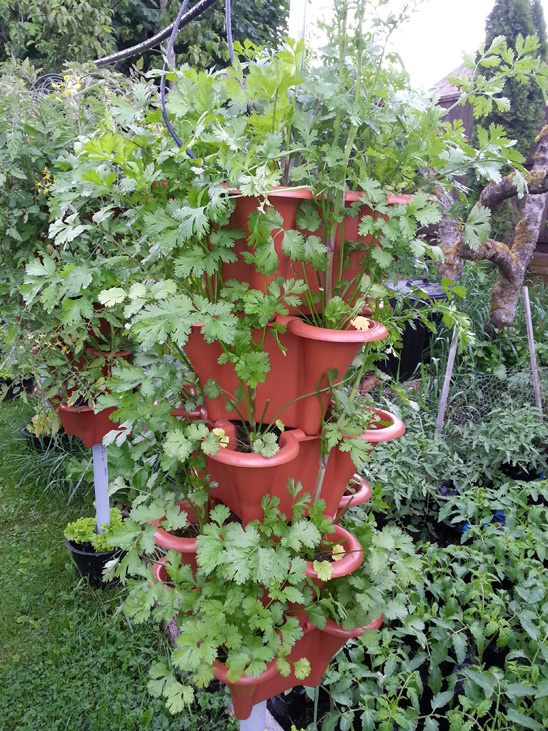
{"points": [[244, 479], [160, 574], [297, 373], [318, 646], [84, 423], [350, 561], [185, 546], [355, 258], [357, 493], [286, 202]]}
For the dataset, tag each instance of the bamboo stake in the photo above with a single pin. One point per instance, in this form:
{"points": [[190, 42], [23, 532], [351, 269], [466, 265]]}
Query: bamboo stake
{"points": [[532, 351], [447, 382]]}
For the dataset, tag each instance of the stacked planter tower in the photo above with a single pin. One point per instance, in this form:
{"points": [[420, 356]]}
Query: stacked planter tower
{"points": [[298, 389]]}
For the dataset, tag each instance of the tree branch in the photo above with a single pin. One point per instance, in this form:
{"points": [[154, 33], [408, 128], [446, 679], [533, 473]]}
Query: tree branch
{"points": [[512, 261], [200, 7]]}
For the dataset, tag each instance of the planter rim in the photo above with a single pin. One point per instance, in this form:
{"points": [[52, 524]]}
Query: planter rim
{"points": [[25, 432], [350, 196], [356, 195], [289, 449], [301, 329], [83, 409], [395, 429], [75, 409], [361, 496], [73, 548], [277, 191], [157, 569], [352, 559], [337, 631], [165, 539]]}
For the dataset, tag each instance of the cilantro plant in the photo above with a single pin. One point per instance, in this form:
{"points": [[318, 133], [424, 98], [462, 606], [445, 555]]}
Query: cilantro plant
{"points": [[241, 607]]}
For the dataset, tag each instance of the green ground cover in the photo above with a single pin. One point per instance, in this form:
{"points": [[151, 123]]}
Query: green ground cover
{"points": [[68, 657]]}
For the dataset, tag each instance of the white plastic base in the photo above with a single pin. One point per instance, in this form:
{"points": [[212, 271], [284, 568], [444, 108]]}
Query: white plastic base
{"points": [[256, 722]]}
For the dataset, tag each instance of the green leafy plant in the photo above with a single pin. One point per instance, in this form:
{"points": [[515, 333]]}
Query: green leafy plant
{"points": [[261, 570], [45, 423], [83, 532], [165, 231]]}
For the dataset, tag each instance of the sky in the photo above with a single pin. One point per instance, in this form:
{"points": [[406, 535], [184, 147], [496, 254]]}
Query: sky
{"points": [[433, 41]]}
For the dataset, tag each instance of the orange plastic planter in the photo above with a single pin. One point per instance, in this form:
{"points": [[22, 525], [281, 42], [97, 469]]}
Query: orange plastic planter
{"points": [[350, 561], [297, 388], [185, 546], [318, 646], [354, 259], [286, 201], [357, 493], [84, 423], [244, 479]]}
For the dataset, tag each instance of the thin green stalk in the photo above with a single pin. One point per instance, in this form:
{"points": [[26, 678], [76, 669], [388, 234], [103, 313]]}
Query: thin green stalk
{"points": [[316, 701]]}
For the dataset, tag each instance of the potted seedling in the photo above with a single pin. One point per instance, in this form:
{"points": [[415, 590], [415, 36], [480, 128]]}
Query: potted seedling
{"points": [[89, 547], [75, 344]]}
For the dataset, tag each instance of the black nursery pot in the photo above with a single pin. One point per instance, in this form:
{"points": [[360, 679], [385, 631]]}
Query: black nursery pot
{"points": [[15, 388], [91, 565], [517, 472], [296, 709]]}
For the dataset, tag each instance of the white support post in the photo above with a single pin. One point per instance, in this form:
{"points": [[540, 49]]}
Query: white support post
{"points": [[257, 720], [100, 478], [532, 351], [297, 19]]}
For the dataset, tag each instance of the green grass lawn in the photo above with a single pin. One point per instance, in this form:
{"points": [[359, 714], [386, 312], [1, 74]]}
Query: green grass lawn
{"points": [[68, 657]]}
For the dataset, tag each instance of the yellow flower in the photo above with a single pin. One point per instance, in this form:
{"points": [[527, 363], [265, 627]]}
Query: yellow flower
{"points": [[360, 323], [223, 437]]}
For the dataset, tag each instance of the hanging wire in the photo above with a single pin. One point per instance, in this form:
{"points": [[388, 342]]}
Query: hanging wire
{"points": [[230, 42], [47, 82], [194, 12], [163, 79]]}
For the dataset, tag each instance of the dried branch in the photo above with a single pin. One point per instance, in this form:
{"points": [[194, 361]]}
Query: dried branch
{"points": [[511, 261]]}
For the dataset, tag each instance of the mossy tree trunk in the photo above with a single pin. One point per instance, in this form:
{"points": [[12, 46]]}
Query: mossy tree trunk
{"points": [[510, 259]]}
